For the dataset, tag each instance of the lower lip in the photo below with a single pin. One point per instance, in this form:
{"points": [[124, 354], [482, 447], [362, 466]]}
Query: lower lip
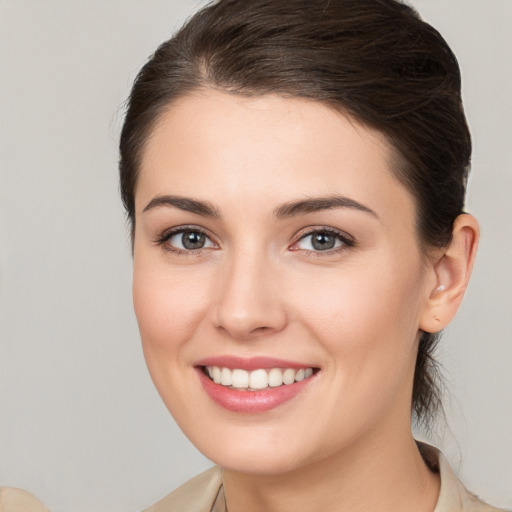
{"points": [[250, 401]]}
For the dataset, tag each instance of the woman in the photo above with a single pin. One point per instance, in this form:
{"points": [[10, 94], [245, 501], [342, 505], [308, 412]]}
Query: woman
{"points": [[334, 279], [294, 173]]}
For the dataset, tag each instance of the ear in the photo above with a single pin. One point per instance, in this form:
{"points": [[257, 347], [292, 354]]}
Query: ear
{"points": [[451, 272]]}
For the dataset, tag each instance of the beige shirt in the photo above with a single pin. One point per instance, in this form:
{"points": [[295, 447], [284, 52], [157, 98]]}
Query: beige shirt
{"points": [[204, 493]]}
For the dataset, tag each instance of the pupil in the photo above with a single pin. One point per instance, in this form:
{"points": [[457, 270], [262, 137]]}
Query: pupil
{"points": [[192, 240], [323, 241]]}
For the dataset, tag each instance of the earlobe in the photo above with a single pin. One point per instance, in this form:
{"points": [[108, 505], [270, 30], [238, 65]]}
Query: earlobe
{"points": [[452, 271]]}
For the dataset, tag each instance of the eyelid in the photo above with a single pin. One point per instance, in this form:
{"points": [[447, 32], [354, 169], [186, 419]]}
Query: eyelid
{"points": [[165, 235], [347, 240]]}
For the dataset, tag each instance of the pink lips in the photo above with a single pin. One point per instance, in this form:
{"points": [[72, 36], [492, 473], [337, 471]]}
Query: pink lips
{"points": [[244, 401]]}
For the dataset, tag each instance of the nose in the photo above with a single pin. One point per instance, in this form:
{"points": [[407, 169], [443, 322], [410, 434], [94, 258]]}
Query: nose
{"points": [[250, 301]]}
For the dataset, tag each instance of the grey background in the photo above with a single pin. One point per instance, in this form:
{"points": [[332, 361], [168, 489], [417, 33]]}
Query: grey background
{"points": [[81, 425]]}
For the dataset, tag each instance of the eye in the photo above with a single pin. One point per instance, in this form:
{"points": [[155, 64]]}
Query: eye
{"points": [[185, 239], [322, 240]]}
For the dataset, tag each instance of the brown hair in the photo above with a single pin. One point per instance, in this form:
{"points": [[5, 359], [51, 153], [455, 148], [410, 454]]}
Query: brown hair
{"points": [[375, 60]]}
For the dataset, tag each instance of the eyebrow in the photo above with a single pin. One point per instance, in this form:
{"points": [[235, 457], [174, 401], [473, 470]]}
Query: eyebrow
{"points": [[287, 210], [203, 208], [312, 205]]}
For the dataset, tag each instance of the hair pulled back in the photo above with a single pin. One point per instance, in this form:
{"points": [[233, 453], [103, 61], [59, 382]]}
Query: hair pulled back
{"points": [[375, 60]]}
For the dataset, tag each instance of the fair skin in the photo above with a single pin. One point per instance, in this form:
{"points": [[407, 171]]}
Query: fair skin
{"points": [[224, 170]]}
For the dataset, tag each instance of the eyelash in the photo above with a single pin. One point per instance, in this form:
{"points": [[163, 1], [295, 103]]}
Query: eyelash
{"points": [[346, 241], [164, 238]]}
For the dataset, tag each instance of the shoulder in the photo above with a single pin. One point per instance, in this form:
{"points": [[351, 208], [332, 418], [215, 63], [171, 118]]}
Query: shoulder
{"points": [[453, 495], [196, 495], [18, 500]]}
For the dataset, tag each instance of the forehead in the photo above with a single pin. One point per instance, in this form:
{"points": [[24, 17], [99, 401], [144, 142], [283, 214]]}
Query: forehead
{"points": [[236, 148]]}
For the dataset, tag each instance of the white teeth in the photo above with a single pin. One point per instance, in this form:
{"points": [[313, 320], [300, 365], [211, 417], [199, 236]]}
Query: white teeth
{"points": [[240, 378], [257, 379], [216, 375], [300, 375], [226, 377], [275, 377], [289, 376]]}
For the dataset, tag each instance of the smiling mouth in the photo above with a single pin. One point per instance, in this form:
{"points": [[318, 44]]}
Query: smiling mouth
{"points": [[256, 380]]}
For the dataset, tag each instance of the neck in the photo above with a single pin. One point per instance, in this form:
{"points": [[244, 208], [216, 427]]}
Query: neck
{"points": [[369, 475]]}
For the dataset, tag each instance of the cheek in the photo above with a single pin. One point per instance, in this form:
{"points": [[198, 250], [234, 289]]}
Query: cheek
{"points": [[168, 306], [356, 302], [367, 321], [367, 325]]}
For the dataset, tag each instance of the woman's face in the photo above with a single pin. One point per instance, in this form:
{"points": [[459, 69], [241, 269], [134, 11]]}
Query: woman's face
{"points": [[272, 237]]}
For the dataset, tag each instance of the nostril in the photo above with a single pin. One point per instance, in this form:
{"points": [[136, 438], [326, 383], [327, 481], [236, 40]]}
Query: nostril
{"points": [[261, 329], [242, 328]]}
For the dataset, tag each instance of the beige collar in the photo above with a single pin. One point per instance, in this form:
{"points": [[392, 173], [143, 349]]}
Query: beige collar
{"points": [[453, 496]]}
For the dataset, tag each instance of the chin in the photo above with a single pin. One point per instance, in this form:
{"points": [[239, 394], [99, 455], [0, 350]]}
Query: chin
{"points": [[255, 462], [258, 451]]}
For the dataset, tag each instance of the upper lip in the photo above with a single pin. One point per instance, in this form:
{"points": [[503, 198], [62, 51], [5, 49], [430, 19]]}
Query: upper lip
{"points": [[250, 363]]}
